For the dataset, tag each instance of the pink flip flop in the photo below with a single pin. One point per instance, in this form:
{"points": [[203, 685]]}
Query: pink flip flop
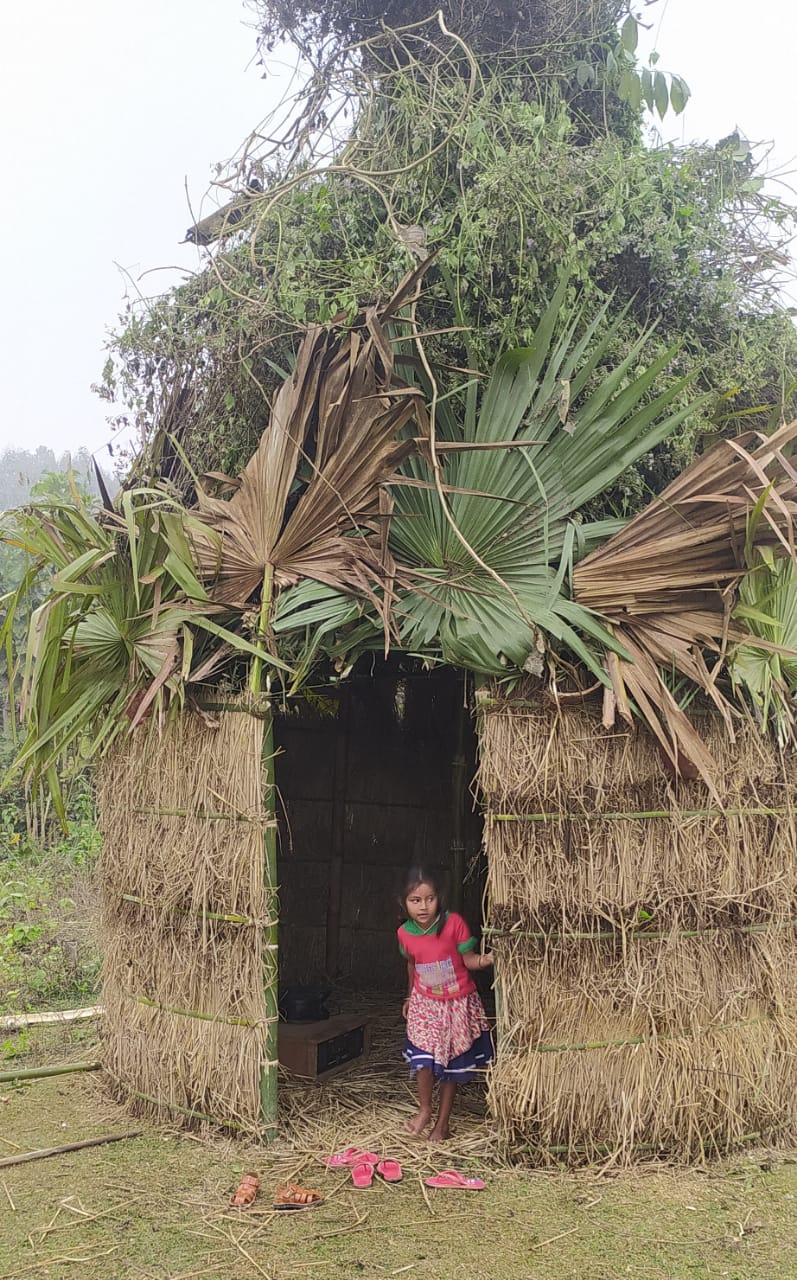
{"points": [[351, 1156], [390, 1170], [455, 1181], [362, 1174]]}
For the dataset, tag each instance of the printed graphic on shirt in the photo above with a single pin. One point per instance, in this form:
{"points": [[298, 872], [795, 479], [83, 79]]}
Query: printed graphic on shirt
{"points": [[438, 977]]}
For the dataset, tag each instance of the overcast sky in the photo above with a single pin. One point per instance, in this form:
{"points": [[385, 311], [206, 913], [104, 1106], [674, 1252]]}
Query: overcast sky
{"points": [[109, 111]]}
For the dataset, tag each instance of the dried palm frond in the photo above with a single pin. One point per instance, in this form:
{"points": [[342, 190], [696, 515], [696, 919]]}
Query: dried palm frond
{"points": [[667, 582], [312, 502]]}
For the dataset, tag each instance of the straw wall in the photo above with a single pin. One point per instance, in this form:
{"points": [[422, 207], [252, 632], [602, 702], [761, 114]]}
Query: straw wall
{"points": [[645, 939], [184, 1024]]}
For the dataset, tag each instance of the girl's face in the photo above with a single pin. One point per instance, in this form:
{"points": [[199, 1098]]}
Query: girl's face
{"points": [[422, 904]]}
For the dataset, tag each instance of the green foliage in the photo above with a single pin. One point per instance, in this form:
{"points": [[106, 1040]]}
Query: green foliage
{"points": [[124, 627], [508, 179], [26, 477], [489, 567], [48, 955], [500, 26], [497, 569], [767, 677]]}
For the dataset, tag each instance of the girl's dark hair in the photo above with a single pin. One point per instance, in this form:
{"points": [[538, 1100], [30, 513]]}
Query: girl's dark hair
{"points": [[423, 875]]}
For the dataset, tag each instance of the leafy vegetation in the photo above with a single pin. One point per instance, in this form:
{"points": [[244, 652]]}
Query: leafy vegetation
{"points": [[48, 954], [497, 175], [505, 177]]}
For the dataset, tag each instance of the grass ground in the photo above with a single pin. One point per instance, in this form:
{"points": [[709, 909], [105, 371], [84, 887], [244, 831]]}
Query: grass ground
{"points": [[156, 1207]]}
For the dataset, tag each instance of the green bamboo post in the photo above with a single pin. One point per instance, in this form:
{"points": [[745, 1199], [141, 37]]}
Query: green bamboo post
{"points": [[268, 1068], [481, 697]]}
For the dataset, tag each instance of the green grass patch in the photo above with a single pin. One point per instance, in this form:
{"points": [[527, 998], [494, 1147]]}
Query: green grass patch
{"points": [[48, 953]]}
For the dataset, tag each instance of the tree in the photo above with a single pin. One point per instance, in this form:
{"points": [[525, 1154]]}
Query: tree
{"points": [[508, 177]]}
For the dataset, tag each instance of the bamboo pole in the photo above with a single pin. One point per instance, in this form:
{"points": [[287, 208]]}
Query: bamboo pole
{"points": [[41, 1073], [632, 815], [194, 1013], [18, 1021], [268, 1068], [202, 813], [190, 911], [44, 1152], [584, 1045], [191, 1112], [640, 935]]}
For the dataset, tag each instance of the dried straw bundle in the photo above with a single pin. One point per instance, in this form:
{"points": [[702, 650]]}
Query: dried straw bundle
{"points": [[646, 942], [184, 901]]}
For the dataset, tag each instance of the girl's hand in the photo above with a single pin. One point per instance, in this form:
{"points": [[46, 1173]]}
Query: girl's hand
{"points": [[405, 1008], [487, 960]]}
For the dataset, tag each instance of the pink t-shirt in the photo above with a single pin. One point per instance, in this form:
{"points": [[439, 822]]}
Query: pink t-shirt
{"points": [[439, 968]]}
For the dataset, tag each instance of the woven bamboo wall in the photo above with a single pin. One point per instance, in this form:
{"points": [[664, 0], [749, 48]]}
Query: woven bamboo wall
{"points": [[645, 938], [183, 914]]}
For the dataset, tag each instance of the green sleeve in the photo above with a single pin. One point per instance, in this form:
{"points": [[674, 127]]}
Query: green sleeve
{"points": [[466, 946]]}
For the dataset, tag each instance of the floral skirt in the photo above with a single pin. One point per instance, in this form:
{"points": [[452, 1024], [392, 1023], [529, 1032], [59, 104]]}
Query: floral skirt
{"points": [[450, 1036]]}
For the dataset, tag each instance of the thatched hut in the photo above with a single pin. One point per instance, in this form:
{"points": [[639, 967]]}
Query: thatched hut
{"points": [[646, 936], [644, 931], [641, 898]]}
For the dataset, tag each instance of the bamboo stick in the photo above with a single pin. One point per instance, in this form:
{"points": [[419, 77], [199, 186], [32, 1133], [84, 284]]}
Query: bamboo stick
{"points": [[640, 935], [44, 1152], [614, 1044], [268, 1067], [18, 1021], [40, 1073], [194, 1013], [643, 814], [237, 708], [202, 813], [191, 911], [193, 1114]]}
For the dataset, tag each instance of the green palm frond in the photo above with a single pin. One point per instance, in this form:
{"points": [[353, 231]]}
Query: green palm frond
{"points": [[125, 627], [549, 436], [767, 673]]}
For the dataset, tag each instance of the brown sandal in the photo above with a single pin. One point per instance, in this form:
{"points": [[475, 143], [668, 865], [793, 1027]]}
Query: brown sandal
{"points": [[247, 1190], [296, 1197]]}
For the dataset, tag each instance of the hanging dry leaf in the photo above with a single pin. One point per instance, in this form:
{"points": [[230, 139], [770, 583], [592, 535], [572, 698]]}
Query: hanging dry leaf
{"points": [[311, 501], [667, 581]]}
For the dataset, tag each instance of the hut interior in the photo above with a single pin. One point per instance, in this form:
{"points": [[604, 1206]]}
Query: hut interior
{"points": [[373, 776]]}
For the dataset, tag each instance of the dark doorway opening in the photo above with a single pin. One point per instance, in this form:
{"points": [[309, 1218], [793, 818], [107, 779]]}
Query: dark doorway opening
{"points": [[374, 774]]}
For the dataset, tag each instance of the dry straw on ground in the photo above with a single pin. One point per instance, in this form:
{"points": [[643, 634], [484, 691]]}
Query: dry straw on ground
{"points": [[184, 904], [646, 942]]}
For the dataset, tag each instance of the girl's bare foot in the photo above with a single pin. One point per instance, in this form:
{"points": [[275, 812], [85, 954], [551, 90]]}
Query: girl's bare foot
{"points": [[419, 1121], [440, 1133]]}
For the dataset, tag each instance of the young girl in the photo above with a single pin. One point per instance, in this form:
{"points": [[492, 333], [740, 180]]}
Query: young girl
{"points": [[448, 1037]]}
